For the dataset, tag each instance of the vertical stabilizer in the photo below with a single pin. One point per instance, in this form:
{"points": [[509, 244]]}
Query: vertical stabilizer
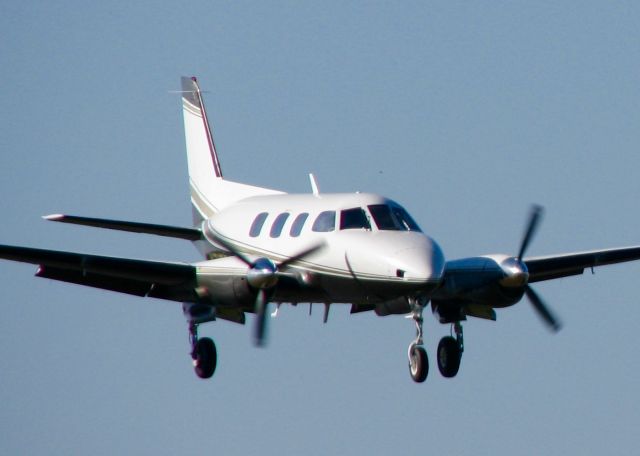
{"points": [[210, 192], [202, 155]]}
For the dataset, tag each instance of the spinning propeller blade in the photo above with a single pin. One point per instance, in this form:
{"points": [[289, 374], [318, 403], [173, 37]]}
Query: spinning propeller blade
{"points": [[542, 309], [231, 249], [262, 299], [261, 318], [532, 227], [536, 301], [300, 255]]}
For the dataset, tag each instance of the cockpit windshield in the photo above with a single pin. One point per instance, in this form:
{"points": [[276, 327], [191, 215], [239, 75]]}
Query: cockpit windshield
{"points": [[392, 218], [405, 219]]}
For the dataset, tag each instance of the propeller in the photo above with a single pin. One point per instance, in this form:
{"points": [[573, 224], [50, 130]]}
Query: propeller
{"points": [[261, 318], [536, 301], [532, 226], [263, 275], [542, 309]]}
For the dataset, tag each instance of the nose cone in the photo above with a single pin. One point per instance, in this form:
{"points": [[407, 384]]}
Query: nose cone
{"points": [[419, 260], [403, 258]]}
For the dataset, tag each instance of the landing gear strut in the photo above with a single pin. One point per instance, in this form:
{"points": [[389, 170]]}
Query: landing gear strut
{"points": [[203, 353], [450, 352], [418, 360]]}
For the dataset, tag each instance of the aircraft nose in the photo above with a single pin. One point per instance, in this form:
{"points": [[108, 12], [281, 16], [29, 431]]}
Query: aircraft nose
{"points": [[424, 262], [403, 257]]}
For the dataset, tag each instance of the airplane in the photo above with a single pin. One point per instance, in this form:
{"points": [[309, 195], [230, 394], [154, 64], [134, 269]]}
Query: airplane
{"points": [[265, 246]]}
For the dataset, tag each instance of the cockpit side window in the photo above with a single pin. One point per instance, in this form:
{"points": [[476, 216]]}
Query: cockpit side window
{"points": [[298, 224], [325, 222], [257, 224], [405, 219], [383, 217], [278, 224], [354, 219]]}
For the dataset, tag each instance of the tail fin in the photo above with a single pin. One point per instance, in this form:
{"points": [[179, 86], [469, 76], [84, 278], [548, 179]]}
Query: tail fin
{"points": [[201, 150], [210, 192]]}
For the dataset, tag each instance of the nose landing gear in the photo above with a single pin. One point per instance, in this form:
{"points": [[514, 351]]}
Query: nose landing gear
{"points": [[203, 353], [418, 363], [418, 359]]}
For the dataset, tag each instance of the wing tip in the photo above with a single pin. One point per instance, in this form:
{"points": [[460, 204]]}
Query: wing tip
{"points": [[53, 217]]}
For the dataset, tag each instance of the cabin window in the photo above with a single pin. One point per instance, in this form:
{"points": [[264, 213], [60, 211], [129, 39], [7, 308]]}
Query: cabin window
{"points": [[256, 226], [355, 218], [278, 224], [325, 222], [298, 223]]}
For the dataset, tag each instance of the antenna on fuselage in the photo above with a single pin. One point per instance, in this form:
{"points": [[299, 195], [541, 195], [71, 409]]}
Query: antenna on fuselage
{"points": [[314, 184]]}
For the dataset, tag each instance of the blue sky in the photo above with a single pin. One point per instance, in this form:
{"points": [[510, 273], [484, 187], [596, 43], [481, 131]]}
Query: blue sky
{"points": [[464, 112]]}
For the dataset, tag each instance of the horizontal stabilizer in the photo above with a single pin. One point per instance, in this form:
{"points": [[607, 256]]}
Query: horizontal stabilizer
{"points": [[190, 234]]}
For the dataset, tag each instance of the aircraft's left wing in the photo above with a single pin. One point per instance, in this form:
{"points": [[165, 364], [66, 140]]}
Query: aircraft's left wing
{"points": [[557, 266], [165, 280]]}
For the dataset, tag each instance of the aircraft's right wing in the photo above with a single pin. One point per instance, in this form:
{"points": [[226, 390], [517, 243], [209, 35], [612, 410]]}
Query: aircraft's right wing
{"points": [[164, 280]]}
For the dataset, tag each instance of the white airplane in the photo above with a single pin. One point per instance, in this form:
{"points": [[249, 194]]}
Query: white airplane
{"points": [[264, 246]]}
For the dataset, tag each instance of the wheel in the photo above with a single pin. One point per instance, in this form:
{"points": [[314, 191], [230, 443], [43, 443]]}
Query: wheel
{"points": [[418, 363], [449, 356], [205, 357]]}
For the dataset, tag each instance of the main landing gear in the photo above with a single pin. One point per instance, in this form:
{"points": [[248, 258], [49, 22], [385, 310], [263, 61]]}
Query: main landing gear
{"points": [[449, 349], [203, 353], [450, 352]]}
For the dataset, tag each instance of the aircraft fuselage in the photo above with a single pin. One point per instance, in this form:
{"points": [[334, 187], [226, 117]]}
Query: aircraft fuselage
{"points": [[373, 252]]}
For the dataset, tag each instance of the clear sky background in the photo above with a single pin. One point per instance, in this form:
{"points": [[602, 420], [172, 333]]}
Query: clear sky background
{"points": [[465, 112]]}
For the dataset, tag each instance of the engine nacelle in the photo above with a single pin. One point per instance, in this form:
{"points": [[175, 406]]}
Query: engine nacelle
{"points": [[493, 280], [224, 290]]}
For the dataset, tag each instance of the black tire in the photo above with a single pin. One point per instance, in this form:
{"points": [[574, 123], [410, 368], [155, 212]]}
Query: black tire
{"points": [[449, 356], [418, 364], [205, 357]]}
